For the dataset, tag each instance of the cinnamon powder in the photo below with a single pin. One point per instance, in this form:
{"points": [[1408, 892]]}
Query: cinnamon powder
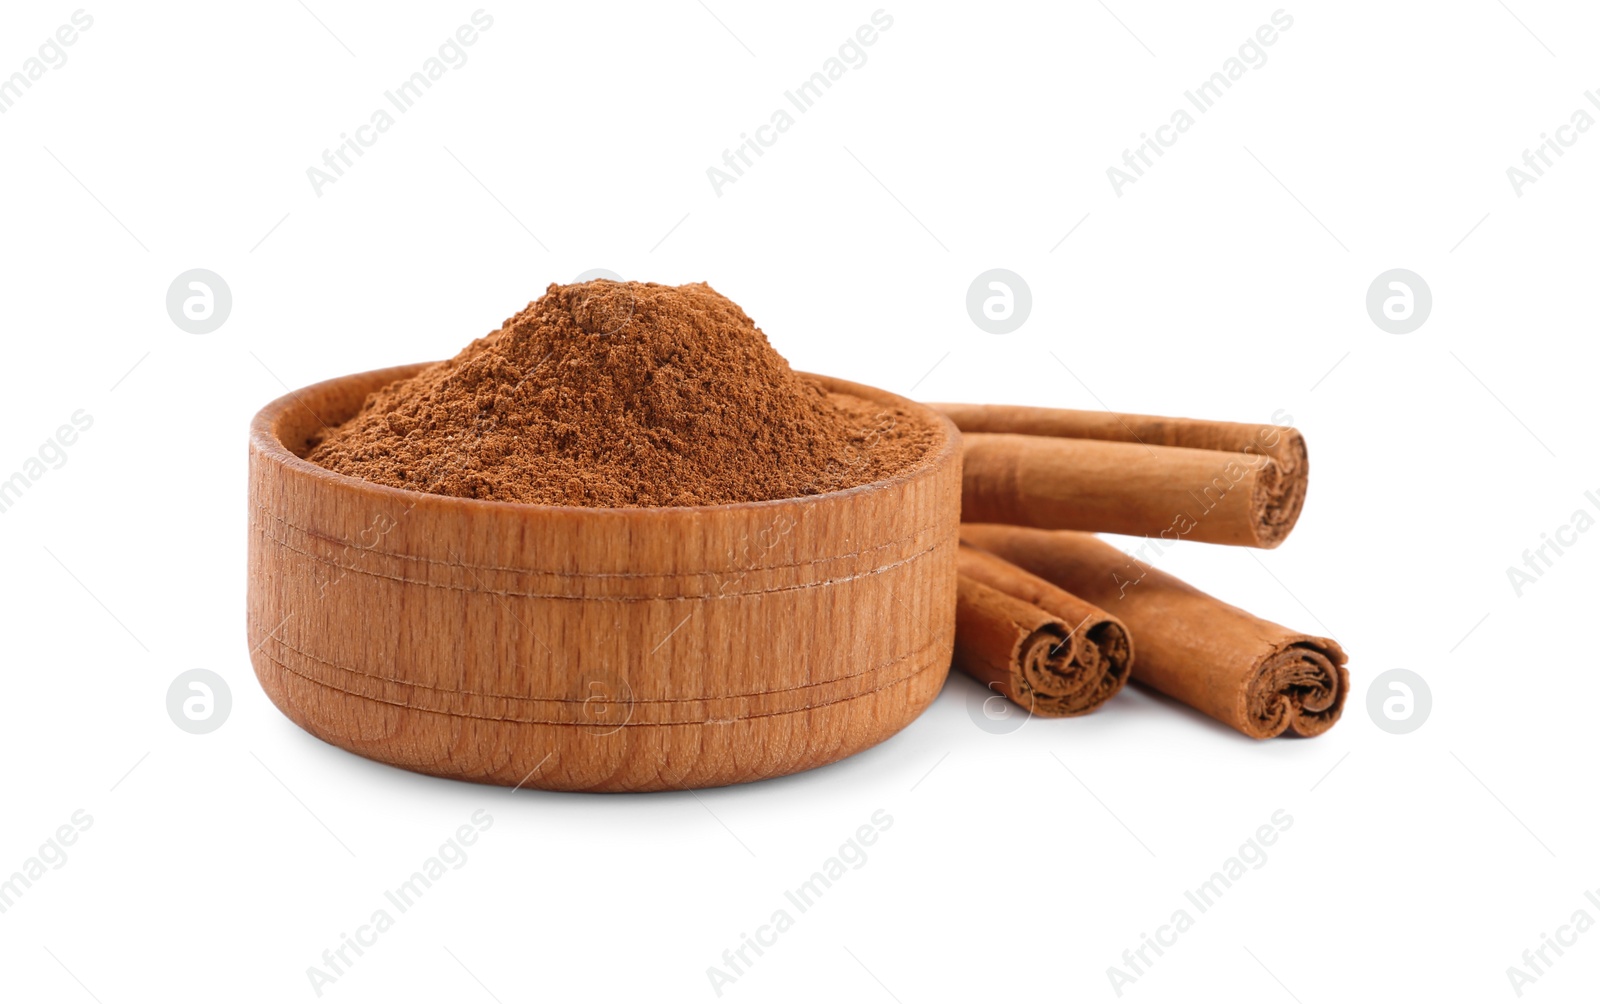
{"points": [[621, 394]]}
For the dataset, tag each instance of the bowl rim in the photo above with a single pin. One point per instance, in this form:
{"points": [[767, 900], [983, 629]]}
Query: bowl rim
{"points": [[265, 443]]}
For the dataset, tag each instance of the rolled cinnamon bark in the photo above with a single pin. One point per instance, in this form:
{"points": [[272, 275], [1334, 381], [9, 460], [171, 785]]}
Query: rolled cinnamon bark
{"points": [[1152, 492], [1256, 676], [1042, 647], [1171, 492], [1282, 443]]}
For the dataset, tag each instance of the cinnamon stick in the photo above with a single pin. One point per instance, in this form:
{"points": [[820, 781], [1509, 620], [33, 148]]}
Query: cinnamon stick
{"points": [[1042, 647], [1256, 676], [1282, 443], [1178, 478]]}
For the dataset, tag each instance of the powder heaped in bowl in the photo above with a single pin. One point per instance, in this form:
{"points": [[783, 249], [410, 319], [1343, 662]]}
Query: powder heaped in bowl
{"points": [[613, 394]]}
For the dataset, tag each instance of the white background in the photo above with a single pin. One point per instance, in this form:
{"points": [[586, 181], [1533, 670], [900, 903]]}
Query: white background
{"points": [[1229, 282]]}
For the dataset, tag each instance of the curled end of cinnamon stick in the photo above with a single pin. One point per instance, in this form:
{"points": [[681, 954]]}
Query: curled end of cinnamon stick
{"points": [[1300, 688], [1040, 661], [1280, 489], [1076, 673]]}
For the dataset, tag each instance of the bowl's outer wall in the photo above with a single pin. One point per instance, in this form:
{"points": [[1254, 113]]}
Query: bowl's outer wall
{"points": [[594, 649]]}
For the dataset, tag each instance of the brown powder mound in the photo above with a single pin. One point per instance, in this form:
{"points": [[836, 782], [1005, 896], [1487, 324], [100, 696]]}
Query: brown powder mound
{"points": [[621, 394]]}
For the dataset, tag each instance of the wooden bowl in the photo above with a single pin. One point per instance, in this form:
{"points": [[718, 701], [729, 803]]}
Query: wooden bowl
{"points": [[584, 649]]}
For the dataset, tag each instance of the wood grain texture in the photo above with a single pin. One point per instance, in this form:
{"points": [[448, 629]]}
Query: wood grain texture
{"points": [[595, 649]]}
